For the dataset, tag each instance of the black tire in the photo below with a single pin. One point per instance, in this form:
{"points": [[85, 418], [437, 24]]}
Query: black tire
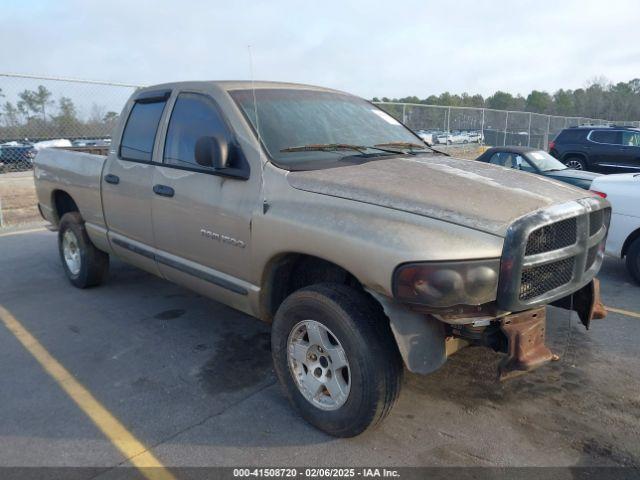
{"points": [[633, 260], [94, 263], [575, 162], [362, 329]]}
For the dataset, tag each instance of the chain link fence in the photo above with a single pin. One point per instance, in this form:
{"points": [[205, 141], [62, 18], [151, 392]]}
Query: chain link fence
{"points": [[40, 112], [455, 126]]}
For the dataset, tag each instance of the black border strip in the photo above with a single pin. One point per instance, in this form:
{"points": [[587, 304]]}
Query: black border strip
{"points": [[214, 279]]}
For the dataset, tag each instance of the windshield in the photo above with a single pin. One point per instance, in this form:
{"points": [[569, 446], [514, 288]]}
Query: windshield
{"points": [[544, 161], [290, 118]]}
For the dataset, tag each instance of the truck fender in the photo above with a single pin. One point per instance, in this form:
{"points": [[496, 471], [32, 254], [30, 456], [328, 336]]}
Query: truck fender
{"points": [[420, 338]]}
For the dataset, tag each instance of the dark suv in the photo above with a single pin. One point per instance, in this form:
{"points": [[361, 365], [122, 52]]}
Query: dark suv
{"points": [[598, 149]]}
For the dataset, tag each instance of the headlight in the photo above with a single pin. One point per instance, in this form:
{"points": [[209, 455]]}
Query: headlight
{"points": [[445, 284]]}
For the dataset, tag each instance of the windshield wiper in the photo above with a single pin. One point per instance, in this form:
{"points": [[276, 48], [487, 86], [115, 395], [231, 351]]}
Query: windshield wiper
{"points": [[411, 146], [336, 147], [408, 145]]}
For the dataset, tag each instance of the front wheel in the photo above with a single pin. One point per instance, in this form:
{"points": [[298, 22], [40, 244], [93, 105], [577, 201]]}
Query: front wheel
{"points": [[633, 260], [84, 265], [335, 356]]}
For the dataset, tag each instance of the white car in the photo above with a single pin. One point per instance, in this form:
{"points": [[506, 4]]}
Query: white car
{"points": [[453, 137], [623, 191], [427, 136]]}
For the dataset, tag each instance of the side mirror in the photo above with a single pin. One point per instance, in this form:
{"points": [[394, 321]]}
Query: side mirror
{"points": [[212, 152]]}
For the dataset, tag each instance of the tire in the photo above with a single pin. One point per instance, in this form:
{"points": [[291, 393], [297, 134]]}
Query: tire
{"points": [[85, 265], [633, 260], [355, 323], [576, 163]]}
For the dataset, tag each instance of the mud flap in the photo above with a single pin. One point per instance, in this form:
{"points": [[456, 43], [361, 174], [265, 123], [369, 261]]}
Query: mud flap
{"points": [[526, 350], [585, 302]]}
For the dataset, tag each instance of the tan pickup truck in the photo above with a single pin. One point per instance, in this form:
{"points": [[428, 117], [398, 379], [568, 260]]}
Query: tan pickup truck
{"points": [[316, 211]]}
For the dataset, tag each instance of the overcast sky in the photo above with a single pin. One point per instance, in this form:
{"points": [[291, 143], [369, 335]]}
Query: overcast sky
{"points": [[392, 48]]}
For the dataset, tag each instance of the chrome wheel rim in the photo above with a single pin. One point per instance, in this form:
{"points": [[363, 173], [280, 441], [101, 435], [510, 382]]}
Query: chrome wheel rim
{"points": [[575, 164], [319, 365], [71, 252]]}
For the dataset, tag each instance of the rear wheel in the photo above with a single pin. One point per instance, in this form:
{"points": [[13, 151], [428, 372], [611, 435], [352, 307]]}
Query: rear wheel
{"points": [[633, 260], [576, 163], [335, 356], [84, 265]]}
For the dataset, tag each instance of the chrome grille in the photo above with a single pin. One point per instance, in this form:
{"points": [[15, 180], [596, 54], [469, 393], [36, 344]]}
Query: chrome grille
{"points": [[595, 221], [592, 255], [538, 280], [552, 253], [552, 237]]}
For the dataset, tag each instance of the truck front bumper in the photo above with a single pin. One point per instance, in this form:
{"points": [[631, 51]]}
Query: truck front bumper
{"points": [[525, 331]]}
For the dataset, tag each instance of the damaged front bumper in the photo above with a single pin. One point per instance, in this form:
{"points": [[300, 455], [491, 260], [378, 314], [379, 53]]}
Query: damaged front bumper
{"points": [[525, 331], [426, 340]]}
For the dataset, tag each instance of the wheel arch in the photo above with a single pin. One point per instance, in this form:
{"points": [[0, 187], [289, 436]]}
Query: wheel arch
{"points": [[629, 240], [290, 271], [62, 203], [570, 154]]}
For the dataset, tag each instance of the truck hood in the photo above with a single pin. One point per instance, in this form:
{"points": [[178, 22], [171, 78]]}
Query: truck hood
{"points": [[464, 192]]}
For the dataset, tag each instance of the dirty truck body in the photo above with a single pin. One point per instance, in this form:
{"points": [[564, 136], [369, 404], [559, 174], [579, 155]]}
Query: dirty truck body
{"points": [[314, 210]]}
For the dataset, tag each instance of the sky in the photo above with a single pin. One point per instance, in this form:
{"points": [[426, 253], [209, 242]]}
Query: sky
{"points": [[370, 48]]}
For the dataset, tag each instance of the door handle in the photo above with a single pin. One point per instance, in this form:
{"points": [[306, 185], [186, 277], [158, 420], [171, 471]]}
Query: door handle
{"points": [[112, 179], [163, 190]]}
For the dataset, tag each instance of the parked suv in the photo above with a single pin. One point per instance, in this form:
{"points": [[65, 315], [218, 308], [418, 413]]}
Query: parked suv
{"points": [[15, 158], [606, 149]]}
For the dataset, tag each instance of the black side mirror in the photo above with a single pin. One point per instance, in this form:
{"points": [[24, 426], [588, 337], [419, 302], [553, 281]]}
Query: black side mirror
{"points": [[212, 152]]}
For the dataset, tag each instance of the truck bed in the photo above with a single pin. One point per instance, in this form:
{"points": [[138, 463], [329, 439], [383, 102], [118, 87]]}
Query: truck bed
{"points": [[79, 173]]}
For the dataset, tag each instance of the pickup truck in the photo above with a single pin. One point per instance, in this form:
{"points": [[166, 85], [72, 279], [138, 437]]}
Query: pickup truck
{"points": [[316, 211]]}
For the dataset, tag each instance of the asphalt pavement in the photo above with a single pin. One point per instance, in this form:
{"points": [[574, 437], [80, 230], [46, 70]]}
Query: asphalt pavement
{"points": [[192, 380]]}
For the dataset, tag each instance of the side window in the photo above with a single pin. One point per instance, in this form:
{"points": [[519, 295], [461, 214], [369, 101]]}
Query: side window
{"points": [[571, 136], [605, 136], [193, 116], [522, 164], [140, 131], [631, 139], [504, 159]]}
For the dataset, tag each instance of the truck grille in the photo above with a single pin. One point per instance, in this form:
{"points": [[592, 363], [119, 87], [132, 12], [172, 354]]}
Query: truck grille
{"points": [[552, 237], [538, 280], [552, 253], [595, 221]]}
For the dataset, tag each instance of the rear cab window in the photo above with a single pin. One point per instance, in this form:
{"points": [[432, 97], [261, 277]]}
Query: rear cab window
{"points": [[139, 133]]}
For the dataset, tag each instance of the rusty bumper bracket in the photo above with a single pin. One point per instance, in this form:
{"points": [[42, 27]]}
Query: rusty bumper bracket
{"points": [[526, 349]]}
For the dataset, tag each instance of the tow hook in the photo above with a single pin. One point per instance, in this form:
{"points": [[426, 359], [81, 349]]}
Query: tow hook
{"points": [[526, 350]]}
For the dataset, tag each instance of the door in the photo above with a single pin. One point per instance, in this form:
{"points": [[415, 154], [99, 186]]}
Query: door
{"points": [[605, 150], [630, 151], [127, 182], [202, 217]]}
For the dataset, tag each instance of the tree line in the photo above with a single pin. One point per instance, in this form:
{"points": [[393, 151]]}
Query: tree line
{"points": [[599, 99], [37, 115]]}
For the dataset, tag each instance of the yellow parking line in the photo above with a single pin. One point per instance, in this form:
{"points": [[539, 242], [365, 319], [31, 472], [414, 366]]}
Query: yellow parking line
{"points": [[623, 312], [20, 232], [117, 434]]}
